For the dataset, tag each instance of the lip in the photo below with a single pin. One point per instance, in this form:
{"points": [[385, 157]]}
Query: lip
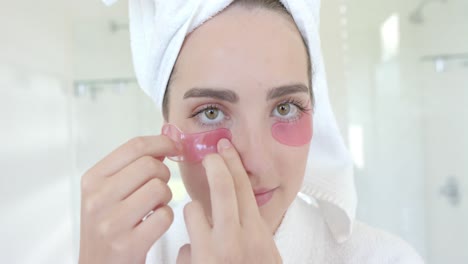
{"points": [[263, 196]]}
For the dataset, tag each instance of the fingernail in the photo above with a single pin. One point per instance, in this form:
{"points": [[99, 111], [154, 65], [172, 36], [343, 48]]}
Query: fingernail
{"points": [[223, 144]]}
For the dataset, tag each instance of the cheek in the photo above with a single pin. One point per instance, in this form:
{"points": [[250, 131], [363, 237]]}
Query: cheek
{"points": [[295, 134], [291, 162], [291, 171], [195, 181]]}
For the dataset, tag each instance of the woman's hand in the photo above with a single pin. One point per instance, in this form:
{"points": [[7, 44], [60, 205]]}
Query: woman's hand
{"points": [[117, 193], [238, 233]]}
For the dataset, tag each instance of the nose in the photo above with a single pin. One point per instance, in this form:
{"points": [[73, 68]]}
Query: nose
{"points": [[254, 144]]}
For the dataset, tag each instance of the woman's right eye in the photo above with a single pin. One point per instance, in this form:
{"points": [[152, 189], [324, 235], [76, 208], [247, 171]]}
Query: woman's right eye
{"points": [[210, 116]]}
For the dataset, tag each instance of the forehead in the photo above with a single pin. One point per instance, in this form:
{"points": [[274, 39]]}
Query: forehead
{"points": [[242, 49]]}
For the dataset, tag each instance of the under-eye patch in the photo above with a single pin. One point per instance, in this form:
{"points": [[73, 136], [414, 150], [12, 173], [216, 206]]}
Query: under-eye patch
{"points": [[294, 133], [195, 146]]}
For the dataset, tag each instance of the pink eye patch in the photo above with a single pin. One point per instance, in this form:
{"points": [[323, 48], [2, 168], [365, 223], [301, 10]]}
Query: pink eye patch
{"points": [[197, 145], [295, 134]]}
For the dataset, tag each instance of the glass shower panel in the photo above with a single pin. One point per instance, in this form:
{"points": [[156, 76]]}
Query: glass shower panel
{"points": [[398, 75]]}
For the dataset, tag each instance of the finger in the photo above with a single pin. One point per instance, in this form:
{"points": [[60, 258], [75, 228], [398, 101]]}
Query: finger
{"points": [[150, 230], [155, 146], [153, 194], [197, 225], [132, 177], [184, 256], [245, 197], [224, 207]]}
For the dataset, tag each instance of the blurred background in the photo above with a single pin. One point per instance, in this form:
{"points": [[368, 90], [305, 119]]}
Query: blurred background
{"points": [[398, 76]]}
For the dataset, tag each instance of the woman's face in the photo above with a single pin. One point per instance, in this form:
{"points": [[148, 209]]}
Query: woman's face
{"points": [[244, 61]]}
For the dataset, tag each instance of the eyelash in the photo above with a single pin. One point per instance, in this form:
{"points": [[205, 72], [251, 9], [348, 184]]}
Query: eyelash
{"points": [[299, 104], [201, 111]]}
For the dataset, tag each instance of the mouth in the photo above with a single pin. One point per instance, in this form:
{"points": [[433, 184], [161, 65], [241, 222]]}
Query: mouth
{"points": [[263, 196]]}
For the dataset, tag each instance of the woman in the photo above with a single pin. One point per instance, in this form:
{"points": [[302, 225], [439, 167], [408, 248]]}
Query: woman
{"points": [[253, 68]]}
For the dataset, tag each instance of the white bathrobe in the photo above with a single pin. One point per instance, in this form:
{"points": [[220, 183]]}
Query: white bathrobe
{"points": [[304, 237]]}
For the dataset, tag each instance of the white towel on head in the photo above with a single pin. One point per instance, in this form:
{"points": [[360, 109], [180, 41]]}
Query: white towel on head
{"points": [[158, 29]]}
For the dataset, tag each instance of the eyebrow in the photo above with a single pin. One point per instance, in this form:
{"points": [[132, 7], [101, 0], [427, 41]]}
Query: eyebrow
{"points": [[225, 95], [285, 90], [232, 97]]}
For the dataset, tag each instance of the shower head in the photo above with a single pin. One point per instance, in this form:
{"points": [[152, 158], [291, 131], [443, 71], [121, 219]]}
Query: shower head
{"points": [[115, 27], [417, 15]]}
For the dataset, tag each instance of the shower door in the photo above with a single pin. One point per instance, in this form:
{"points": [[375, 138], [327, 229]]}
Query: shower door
{"points": [[398, 79]]}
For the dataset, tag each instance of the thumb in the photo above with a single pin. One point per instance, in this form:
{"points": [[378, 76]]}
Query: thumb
{"points": [[185, 253]]}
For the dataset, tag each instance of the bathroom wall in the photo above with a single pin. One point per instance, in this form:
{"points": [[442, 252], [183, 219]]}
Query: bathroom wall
{"points": [[35, 153]]}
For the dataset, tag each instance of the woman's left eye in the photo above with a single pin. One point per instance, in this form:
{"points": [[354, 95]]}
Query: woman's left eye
{"points": [[286, 111], [283, 109]]}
